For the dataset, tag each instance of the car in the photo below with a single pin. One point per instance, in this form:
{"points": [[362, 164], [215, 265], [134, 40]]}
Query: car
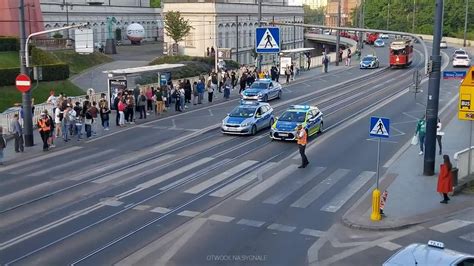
{"points": [[248, 118], [262, 90], [459, 52], [379, 43], [461, 60], [433, 253], [310, 117], [443, 45], [383, 36], [369, 61]]}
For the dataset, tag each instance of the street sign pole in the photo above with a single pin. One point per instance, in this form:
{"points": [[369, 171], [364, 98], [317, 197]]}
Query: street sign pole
{"points": [[378, 163], [26, 96], [470, 152]]}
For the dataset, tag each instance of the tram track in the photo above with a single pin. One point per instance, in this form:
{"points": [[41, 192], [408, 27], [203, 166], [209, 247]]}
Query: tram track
{"points": [[311, 97]]}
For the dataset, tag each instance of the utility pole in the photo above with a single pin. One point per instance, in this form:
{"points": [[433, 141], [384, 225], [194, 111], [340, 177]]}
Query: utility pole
{"points": [[259, 56], [294, 32], [414, 15], [465, 23], [433, 94], [388, 14], [237, 39], [66, 5], [26, 96], [338, 36]]}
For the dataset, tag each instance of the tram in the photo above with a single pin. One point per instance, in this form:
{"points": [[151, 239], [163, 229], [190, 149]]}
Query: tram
{"points": [[401, 53]]}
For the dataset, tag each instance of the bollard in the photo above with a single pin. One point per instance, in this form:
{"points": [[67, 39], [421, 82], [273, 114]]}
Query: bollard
{"points": [[375, 216]]}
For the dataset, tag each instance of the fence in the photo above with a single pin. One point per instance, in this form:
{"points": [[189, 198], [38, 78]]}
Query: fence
{"points": [[462, 162]]}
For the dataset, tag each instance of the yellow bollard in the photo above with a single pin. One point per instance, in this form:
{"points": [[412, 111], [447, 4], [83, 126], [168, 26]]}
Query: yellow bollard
{"points": [[375, 216]]}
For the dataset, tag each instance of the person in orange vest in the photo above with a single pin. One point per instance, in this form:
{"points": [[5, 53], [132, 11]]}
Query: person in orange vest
{"points": [[44, 127], [302, 140]]}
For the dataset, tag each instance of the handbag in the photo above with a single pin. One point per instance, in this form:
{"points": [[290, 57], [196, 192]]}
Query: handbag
{"points": [[414, 140]]}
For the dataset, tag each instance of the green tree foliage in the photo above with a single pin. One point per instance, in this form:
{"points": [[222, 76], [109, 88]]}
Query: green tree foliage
{"points": [[314, 16], [176, 26], [155, 3], [401, 16]]}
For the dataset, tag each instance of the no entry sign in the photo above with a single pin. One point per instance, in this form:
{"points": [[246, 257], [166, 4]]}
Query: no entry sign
{"points": [[23, 82]]}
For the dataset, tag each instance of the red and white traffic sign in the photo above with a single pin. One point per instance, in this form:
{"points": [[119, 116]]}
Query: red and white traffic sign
{"points": [[23, 82]]}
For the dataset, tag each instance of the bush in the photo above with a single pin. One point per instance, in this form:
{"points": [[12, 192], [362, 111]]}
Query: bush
{"points": [[40, 57], [8, 75], [181, 58], [57, 35], [55, 72], [9, 44]]}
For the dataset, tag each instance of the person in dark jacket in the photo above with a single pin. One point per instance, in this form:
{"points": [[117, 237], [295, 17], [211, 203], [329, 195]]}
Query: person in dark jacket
{"points": [[117, 117], [187, 91]]}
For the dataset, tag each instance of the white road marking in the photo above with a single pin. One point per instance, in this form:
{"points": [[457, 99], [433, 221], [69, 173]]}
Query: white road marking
{"points": [[468, 237], [450, 226], [174, 173], [141, 207], [187, 213], [281, 227], [210, 112], [382, 140], [113, 203], [40, 158], [218, 178], [133, 170], [340, 199], [226, 190], [186, 178], [312, 232], [160, 210], [221, 218], [255, 191], [174, 123], [312, 195], [389, 246], [288, 190], [252, 223]]}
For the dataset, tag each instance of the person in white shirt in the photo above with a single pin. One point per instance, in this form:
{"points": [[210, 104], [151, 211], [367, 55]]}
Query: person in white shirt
{"points": [[53, 101], [58, 118], [439, 135]]}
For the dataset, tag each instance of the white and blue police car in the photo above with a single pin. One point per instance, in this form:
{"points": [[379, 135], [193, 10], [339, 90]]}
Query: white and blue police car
{"points": [[248, 118]]}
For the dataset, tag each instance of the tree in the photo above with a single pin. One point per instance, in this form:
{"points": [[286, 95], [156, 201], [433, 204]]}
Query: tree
{"points": [[177, 28], [314, 16]]}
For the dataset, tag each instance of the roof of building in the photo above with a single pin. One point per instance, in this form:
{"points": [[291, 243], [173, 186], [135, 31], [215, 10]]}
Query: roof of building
{"points": [[143, 69]]}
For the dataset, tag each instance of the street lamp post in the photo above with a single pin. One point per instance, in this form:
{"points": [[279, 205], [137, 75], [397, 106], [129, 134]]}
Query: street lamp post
{"points": [[433, 94], [465, 23], [414, 17], [66, 5], [388, 14]]}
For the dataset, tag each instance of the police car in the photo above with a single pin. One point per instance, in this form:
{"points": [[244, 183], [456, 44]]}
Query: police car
{"points": [[369, 61], [433, 253], [285, 126], [262, 90], [248, 118]]}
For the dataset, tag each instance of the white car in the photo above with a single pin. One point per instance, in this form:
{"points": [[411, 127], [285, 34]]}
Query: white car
{"points": [[443, 45], [459, 52], [461, 60], [383, 36]]}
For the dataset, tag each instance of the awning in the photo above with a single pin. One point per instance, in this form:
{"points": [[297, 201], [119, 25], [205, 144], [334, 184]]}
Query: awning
{"points": [[143, 69], [297, 50]]}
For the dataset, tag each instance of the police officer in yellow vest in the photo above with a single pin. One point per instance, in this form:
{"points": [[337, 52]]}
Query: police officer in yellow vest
{"points": [[302, 138]]}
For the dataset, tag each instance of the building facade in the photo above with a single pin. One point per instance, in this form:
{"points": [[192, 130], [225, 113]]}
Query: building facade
{"points": [[347, 7], [232, 24], [59, 13], [315, 4]]}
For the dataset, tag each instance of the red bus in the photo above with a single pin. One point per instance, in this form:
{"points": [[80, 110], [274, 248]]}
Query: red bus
{"points": [[401, 53]]}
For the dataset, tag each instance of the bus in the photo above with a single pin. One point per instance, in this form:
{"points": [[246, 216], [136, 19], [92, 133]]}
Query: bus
{"points": [[401, 53]]}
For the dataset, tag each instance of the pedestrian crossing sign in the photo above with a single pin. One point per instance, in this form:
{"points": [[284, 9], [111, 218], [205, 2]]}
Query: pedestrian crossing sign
{"points": [[379, 127], [267, 40]]}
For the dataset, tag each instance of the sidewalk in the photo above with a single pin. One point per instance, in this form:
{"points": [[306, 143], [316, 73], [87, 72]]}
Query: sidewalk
{"points": [[412, 197], [11, 155]]}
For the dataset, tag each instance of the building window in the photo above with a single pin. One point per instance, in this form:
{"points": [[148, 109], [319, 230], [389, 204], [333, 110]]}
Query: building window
{"points": [[189, 40], [226, 43], [244, 39], [219, 39]]}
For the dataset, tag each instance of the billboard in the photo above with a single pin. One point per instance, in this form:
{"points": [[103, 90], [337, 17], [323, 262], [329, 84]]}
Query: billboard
{"points": [[116, 86], [84, 41]]}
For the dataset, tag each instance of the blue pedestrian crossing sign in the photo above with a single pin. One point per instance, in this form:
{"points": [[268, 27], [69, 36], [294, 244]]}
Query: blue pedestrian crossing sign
{"points": [[379, 127], [267, 40]]}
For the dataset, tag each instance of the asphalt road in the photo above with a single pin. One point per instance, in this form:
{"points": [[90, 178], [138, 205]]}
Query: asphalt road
{"points": [[176, 191]]}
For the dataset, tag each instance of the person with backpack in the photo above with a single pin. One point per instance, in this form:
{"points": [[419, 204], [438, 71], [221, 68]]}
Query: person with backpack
{"points": [[214, 81], [325, 63], [104, 114], [141, 103], [115, 106], [88, 121], [66, 123], [227, 87]]}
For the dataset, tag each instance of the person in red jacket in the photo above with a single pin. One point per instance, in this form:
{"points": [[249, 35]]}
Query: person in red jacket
{"points": [[445, 179]]}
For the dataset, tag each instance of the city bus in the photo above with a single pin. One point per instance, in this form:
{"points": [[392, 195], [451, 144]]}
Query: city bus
{"points": [[401, 53]]}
